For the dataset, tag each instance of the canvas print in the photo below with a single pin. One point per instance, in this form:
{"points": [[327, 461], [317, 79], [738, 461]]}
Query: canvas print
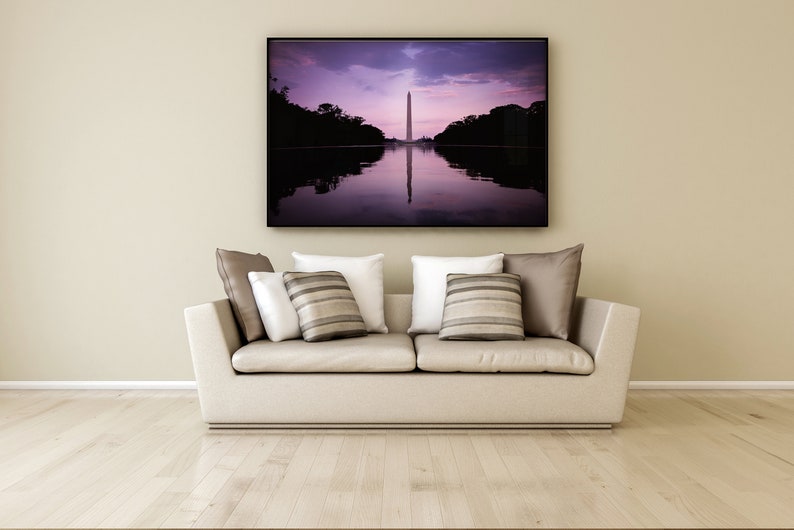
{"points": [[400, 132]]}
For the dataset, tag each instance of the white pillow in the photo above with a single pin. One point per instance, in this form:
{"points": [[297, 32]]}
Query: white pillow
{"points": [[430, 285], [364, 275], [275, 308]]}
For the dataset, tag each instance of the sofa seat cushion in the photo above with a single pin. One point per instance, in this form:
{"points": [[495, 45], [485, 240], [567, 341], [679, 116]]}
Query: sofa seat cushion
{"points": [[389, 352], [533, 354]]}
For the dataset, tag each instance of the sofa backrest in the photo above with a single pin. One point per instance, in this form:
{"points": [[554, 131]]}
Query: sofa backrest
{"points": [[397, 310]]}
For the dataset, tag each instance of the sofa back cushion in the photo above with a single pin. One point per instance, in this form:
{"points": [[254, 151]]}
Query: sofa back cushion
{"points": [[364, 275], [548, 289], [233, 268], [482, 307], [430, 284], [275, 308], [325, 305]]}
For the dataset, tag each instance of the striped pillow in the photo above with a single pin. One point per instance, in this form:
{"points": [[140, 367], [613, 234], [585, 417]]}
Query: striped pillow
{"points": [[482, 307], [326, 307]]}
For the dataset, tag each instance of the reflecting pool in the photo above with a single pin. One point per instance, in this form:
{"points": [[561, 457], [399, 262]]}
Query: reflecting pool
{"points": [[407, 185]]}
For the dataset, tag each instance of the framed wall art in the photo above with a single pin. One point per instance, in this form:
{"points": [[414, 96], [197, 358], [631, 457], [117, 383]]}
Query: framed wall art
{"points": [[407, 132]]}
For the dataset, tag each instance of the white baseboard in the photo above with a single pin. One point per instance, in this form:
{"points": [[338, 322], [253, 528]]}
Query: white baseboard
{"points": [[191, 385], [711, 385], [97, 385]]}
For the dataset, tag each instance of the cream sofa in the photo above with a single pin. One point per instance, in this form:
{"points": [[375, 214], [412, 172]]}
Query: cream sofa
{"points": [[407, 397]]}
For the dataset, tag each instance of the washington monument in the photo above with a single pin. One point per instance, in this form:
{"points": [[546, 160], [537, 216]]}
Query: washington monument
{"points": [[408, 133]]}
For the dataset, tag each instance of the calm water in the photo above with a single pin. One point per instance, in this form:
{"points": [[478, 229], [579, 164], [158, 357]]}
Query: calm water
{"points": [[407, 185]]}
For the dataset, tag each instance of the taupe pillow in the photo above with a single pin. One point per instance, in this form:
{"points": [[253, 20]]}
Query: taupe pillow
{"points": [[548, 289], [325, 305], [482, 307], [233, 267]]}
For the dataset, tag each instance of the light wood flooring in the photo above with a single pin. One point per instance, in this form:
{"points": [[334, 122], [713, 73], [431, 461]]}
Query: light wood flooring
{"points": [[145, 459]]}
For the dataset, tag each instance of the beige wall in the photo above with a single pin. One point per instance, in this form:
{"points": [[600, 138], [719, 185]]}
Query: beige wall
{"points": [[132, 144]]}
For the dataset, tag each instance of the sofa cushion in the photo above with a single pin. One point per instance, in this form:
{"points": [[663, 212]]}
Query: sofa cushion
{"points": [[430, 285], [233, 268], [275, 308], [548, 289], [381, 352], [364, 275], [482, 307], [533, 354], [325, 305]]}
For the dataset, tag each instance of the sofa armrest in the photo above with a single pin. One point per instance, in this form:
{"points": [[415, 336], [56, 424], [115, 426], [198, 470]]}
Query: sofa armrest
{"points": [[608, 332], [213, 337]]}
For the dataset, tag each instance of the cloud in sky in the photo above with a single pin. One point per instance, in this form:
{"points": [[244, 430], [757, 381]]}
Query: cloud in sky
{"points": [[448, 79]]}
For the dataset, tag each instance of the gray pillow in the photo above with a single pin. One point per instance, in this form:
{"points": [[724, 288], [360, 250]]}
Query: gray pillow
{"points": [[482, 307], [325, 305], [233, 268], [548, 289]]}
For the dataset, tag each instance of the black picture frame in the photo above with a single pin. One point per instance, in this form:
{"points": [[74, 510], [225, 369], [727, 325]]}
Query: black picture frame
{"points": [[407, 132]]}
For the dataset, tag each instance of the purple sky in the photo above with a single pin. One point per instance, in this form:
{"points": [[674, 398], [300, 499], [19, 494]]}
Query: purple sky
{"points": [[447, 79]]}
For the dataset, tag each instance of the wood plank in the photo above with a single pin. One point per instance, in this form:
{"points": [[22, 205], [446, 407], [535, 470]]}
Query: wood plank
{"points": [[229, 497], [314, 492], [512, 505], [480, 497], [454, 506], [267, 478], [396, 510], [282, 501], [425, 506], [338, 507], [368, 497]]}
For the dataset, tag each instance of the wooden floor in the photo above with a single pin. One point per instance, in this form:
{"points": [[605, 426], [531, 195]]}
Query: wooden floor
{"points": [[145, 459]]}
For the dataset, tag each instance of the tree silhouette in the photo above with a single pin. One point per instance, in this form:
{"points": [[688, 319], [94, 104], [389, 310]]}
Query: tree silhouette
{"points": [[290, 125], [508, 125]]}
